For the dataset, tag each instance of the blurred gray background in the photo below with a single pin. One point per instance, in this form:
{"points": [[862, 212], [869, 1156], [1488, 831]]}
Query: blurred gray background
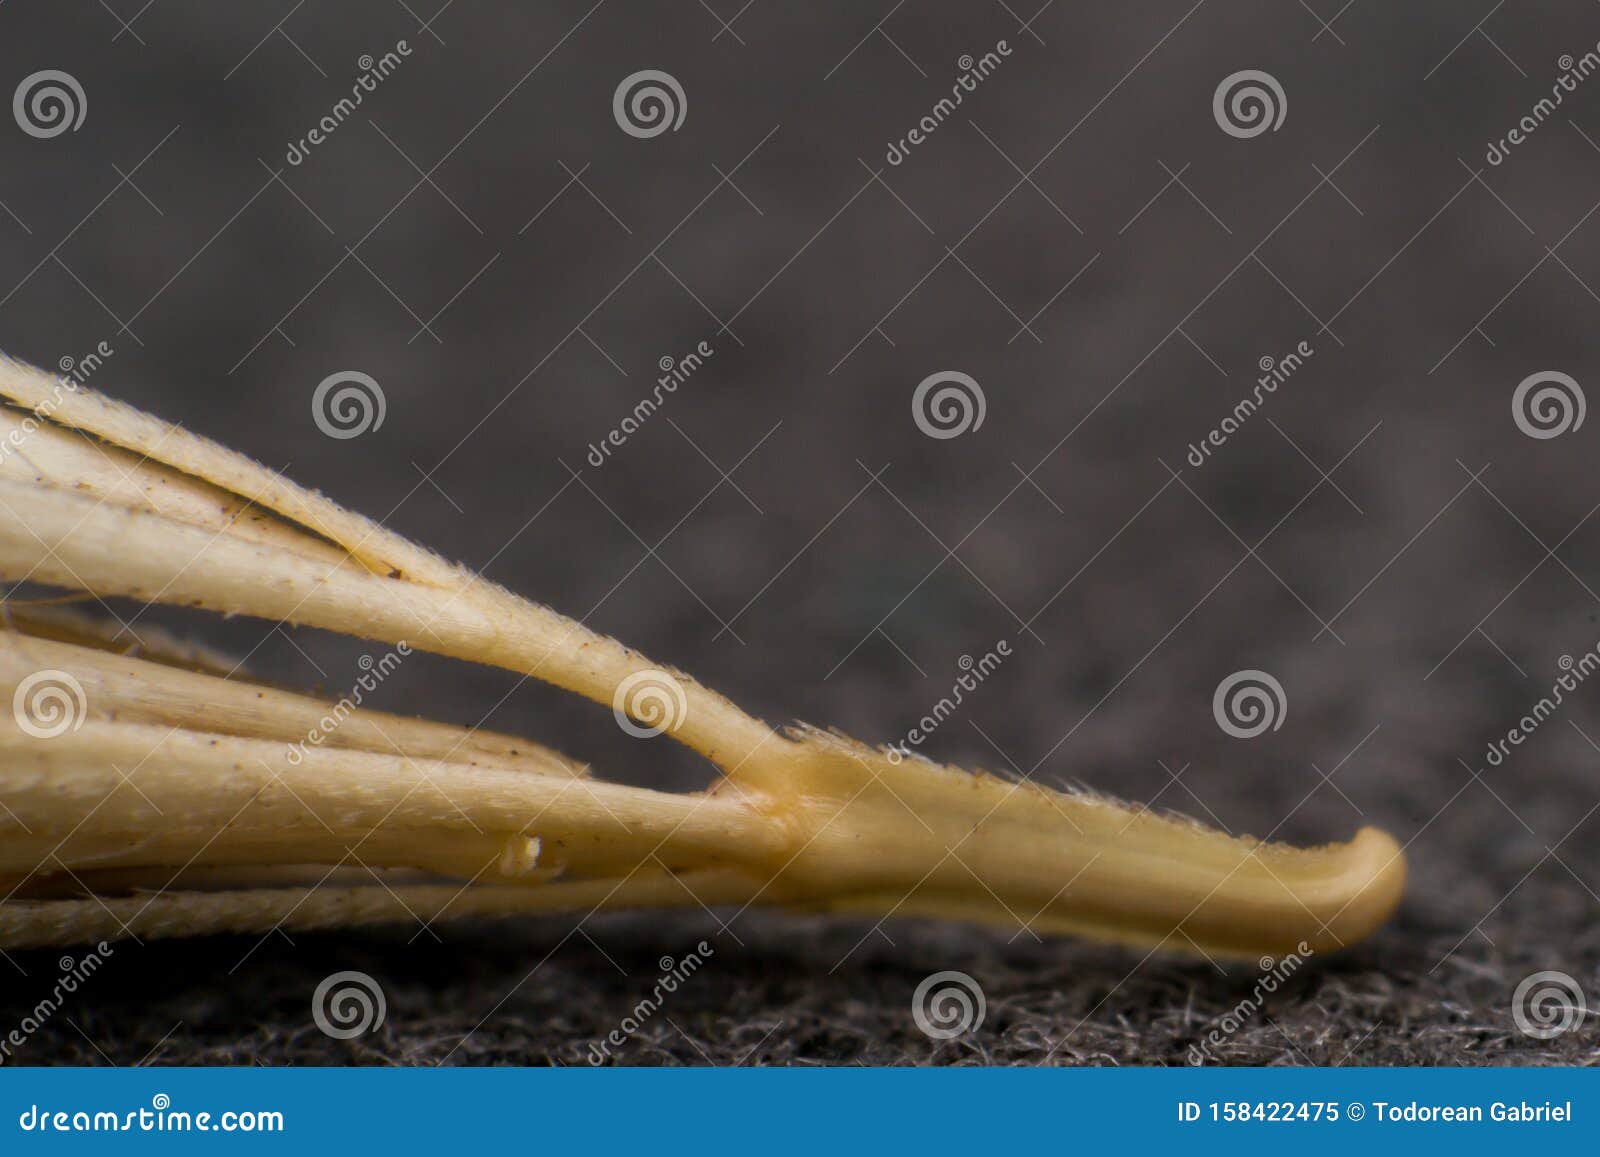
{"points": [[1081, 237]]}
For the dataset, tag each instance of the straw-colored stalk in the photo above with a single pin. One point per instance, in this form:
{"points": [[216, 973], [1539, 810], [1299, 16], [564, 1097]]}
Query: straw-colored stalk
{"points": [[152, 792]]}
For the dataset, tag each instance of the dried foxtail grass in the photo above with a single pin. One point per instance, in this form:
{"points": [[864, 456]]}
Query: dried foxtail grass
{"points": [[167, 796]]}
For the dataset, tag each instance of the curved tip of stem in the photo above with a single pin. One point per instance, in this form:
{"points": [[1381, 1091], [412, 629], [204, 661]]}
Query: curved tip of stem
{"points": [[1278, 899], [1364, 889], [917, 839]]}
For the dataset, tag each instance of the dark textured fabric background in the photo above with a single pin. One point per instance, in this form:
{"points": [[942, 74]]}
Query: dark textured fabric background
{"points": [[1084, 240]]}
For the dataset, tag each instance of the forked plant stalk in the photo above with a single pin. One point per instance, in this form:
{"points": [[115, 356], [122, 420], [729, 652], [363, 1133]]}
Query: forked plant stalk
{"points": [[231, 822]]}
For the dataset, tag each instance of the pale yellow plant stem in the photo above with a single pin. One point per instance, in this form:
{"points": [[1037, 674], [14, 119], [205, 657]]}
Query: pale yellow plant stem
{"points": [[100, 498]]}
